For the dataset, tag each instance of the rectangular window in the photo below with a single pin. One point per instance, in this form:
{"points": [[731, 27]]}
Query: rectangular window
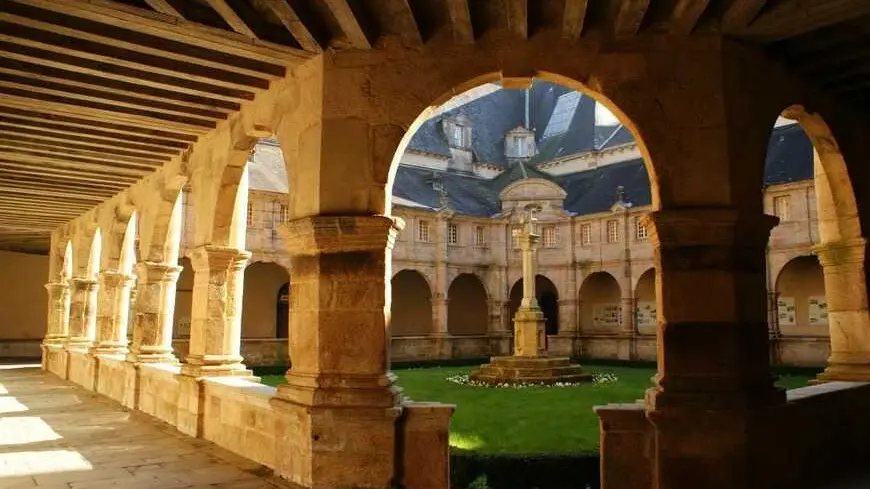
{"points": [[640, 232], [457, 136], [612, 231], [423, 230], [550, 236], [282, 213], [585, 234], [452, 234], [479, 236], [782, 207], [515, 237], [250, 214]]}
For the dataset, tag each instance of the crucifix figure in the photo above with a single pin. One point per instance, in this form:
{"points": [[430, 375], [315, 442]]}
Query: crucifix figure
{"points": [[529, 321]]}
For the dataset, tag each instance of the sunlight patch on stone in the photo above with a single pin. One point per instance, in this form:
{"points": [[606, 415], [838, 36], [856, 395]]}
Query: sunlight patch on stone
{"points": [[25, 429], [42, 462], [466, 442], [9, 404]]}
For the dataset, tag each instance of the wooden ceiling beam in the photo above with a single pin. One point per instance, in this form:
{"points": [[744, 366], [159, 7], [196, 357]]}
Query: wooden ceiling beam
{"points": [[400, 19], [77, 157], [7, 188], [59, 204], [84, 81], [686, 15], [65, 163], [789, 19], [71, 189], [348, 23], [112, 101], [78, 66], [25, 170], [231, 18], [75, 141], [63, 151], [740, 13], [38, 210], [629, 18], [23, 99], [164, 7], [190, 34], [94, 126], [573, 19], [460, 21], [285, 13], [518, 18], [49, 37]]}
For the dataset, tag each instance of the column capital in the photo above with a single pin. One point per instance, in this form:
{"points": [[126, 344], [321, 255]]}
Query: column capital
{"points": [[115, 278], [209, 258], [150, 271], [56, 287], [711, 238], [709, 226], [845, 252], [340, 234], [83, 283]]}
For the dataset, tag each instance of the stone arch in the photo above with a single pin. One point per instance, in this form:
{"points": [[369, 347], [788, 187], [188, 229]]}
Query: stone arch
{"points": [[67, 267], [600, 303], [801, 301], [548, 300], [92, 268], [262, 284], [411, 304], [467, 310], [645, 297], [183, 299], [160, 223], [835, 197]]}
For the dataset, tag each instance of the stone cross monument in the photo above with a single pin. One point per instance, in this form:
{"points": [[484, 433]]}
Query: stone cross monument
{"points": [[529, 363], [529, 322]]}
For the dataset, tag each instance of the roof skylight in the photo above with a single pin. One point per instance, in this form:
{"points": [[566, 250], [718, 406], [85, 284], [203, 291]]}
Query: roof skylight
{"points": [[562, 114]]}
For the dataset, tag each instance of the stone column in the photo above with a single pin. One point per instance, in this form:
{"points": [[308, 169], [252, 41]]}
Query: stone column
{"points": [[155, 311], [336, 415], [57, 327], [773, 327], [713, 365], [113, 313], [83, 313], [848, 318], [216, 316], [443, 347]]}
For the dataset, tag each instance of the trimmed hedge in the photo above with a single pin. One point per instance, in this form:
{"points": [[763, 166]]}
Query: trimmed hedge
{"points": [[533, 471]]}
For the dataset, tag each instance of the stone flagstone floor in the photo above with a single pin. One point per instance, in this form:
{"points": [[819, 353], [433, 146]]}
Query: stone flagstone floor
{"points": [[56, 435]]}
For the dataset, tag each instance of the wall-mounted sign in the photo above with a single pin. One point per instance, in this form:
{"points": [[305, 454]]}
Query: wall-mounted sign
{"points": [[607, 314], [786, 311], [818, 311], [645, 312]]}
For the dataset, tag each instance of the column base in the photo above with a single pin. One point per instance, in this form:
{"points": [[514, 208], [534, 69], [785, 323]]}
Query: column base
{"points": [[846, 372], [337, 431], [529, 327], [214, 366], [55, 359], [164, 357]]}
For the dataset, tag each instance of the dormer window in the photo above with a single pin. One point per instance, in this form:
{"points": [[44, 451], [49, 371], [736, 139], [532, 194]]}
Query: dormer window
{"points": [[458, 132], [520, 143]]}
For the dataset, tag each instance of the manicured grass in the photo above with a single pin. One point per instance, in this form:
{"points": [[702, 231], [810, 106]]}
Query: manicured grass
{"points": [[531, 420]]}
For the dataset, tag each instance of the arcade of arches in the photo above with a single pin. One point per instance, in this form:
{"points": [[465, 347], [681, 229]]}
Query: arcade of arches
{"points": [[341, 97]]}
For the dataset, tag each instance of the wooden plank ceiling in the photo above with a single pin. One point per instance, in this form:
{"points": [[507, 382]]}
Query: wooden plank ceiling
{"points": [[96, 94]]}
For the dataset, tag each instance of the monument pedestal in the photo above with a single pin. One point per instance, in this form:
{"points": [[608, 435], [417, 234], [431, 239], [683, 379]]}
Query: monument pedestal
{"points": [[530, 370], [529, 364]]}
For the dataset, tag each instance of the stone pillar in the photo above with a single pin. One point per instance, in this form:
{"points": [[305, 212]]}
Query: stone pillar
{"points": [[216, 316], [443, 345], [57, 327], [336, 415], [628, 327], [713, 364], [773, 327], [155, 311], [113, 313], [848, 318], [83, 313]]}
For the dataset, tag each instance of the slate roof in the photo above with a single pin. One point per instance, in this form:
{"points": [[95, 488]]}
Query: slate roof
{"points": [[789, 157]]}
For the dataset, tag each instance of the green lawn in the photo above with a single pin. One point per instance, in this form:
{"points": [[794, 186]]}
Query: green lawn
{"points": [[531, 420]]}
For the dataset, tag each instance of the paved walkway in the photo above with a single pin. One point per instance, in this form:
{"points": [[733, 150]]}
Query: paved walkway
{"points": [[56, 435]]}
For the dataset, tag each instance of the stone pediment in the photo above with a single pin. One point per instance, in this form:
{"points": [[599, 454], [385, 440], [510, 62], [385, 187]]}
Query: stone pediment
{"points": [[533, 189]]}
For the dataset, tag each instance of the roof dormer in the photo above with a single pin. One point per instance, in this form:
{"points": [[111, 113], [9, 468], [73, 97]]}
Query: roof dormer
{"points": [[519, 144], [458, 131]]}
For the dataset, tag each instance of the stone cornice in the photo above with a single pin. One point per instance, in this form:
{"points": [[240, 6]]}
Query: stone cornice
{"points": [[340, 234]]}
